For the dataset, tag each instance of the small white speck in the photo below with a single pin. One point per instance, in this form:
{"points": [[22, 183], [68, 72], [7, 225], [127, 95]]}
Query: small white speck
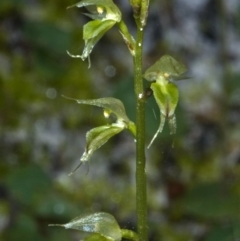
{"points": [[141, 29], [139, 44], [106, 114], [140, 96]]}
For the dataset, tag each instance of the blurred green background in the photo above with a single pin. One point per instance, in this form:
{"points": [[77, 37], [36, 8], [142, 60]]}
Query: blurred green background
{"points": [[193, 177]]}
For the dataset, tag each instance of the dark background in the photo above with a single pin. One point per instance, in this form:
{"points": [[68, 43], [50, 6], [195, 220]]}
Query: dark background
{"points": [[193, 177]]}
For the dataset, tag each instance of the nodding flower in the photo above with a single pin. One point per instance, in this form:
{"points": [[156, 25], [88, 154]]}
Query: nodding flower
{"points": [[165, 92], [104, 14]]}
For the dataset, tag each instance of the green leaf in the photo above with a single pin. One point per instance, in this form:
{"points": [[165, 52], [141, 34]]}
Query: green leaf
{"points": [[166, 96], [47, 36], [216, 201], [26, 191], [101, 223], [223, 232], [101, 9], [166, 67], [25, 226]]}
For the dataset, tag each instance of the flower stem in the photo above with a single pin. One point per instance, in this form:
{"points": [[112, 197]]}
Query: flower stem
{"points": [[141, 185]]}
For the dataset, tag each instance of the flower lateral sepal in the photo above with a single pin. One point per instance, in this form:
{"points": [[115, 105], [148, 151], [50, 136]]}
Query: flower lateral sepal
{"points": [[97, 137], [92, 33]]}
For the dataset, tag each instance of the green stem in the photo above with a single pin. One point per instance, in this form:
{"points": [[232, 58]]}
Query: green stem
{"points": [[141, 185]]}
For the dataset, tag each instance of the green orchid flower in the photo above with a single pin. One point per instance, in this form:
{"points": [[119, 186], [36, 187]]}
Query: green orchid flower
{"points": [[104, 14], [98, 136], [165, 92]]}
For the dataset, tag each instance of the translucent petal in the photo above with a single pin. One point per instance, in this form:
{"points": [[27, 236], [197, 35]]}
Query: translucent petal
{"points": [[105, 9], [112, 105], [100, 223]]}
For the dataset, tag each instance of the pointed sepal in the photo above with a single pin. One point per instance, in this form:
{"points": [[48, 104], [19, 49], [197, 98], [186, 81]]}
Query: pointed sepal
{"points": [[110, 105], [95, 138], [166, 67], [100, 9], [100, 223]]}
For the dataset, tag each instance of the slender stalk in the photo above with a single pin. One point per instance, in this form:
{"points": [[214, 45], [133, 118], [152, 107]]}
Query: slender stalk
{"points": [[141, 185]]}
